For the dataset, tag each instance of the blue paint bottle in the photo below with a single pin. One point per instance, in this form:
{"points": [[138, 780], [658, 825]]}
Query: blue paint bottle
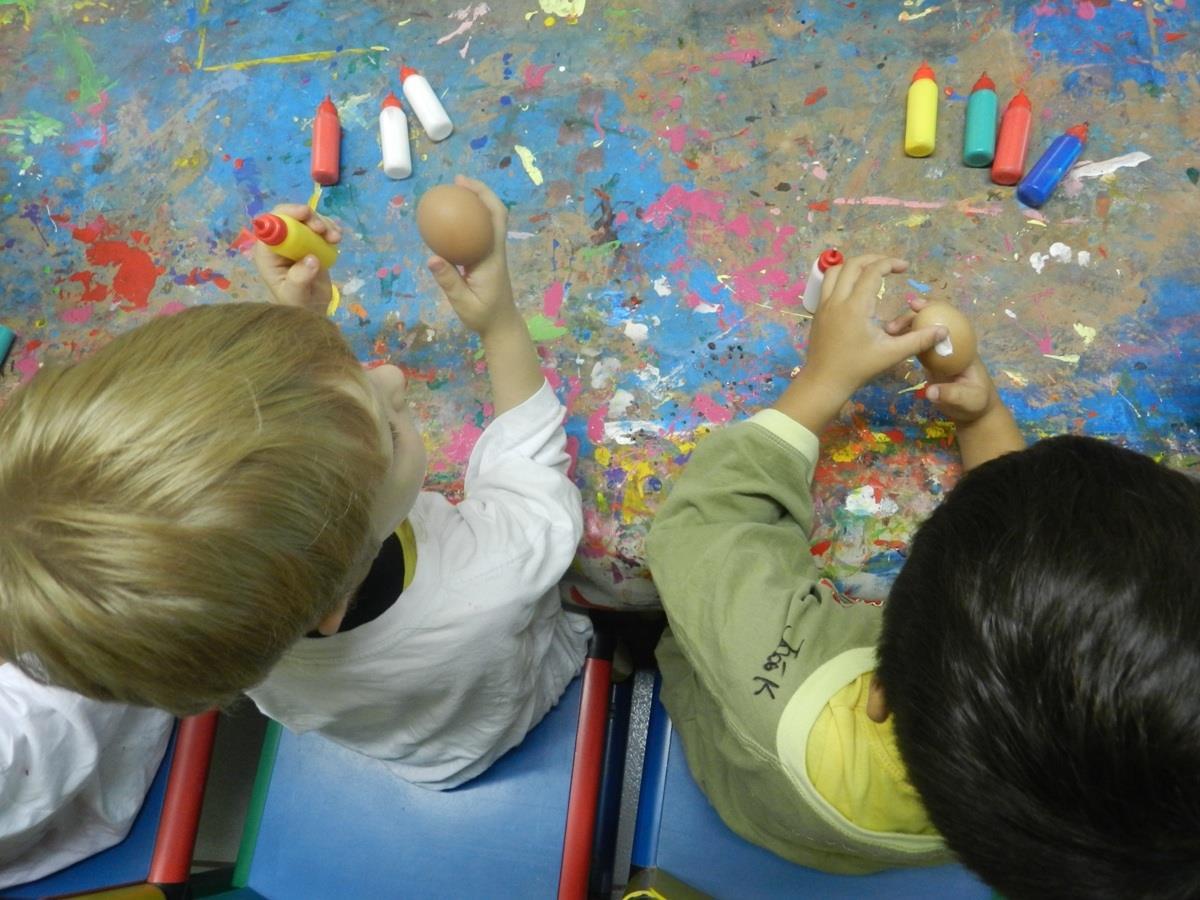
{"points": [[1041, 180]]}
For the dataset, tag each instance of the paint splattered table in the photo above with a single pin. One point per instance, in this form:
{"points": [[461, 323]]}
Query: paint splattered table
{"points": [[672, 167]]}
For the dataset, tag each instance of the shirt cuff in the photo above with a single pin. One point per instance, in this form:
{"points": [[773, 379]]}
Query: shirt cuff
{"points": [[788, 429]]}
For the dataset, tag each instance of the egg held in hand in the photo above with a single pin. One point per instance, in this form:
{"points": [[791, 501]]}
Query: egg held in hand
{"points": [[455, 224], [952, 355]]}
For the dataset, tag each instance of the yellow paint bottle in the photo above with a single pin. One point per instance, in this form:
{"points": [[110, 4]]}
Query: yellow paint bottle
{"points": [[920, 125], [292, 239]]}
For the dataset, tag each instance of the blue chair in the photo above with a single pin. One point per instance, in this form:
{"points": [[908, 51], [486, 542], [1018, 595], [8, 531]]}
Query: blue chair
{"points": [[328, 822], [678, 832], [157, 852]]}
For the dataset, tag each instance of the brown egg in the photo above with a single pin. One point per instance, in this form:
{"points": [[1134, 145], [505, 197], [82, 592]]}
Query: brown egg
{"points": [[455, 224], [954, 354]]}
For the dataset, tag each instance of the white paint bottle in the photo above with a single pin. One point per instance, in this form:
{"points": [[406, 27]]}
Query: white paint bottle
{"points": [[393, 139], [425, 103], [816, 277]]}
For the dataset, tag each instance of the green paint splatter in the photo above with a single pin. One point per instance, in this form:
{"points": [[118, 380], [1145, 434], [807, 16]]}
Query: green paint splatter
{"points": [[599, 250], [31, 128], [542, 329], [1193, 174], [90, 83], [24, 7]]}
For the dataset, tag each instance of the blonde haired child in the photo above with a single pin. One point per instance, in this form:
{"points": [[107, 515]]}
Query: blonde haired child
{"points": [[225, 501]]}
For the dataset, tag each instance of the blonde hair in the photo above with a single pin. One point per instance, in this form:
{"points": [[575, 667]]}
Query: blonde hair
{"points": [[184, 504]]}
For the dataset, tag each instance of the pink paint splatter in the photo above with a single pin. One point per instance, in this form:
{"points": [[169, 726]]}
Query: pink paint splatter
{"points": [[552, 300], [676, 136], [534, 76], [710, 409], [595, 425], [170, 309], [78, 315], [742, 56], [1085, 10], [700, 203], [462, 442]]}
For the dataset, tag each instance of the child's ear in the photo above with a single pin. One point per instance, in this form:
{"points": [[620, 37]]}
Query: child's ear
{"points": [[877, 706], [332, 622]]}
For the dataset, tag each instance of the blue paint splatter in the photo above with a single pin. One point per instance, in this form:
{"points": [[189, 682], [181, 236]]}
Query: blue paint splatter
{"points": [[506, 100], [918, 286], [479, 143]]}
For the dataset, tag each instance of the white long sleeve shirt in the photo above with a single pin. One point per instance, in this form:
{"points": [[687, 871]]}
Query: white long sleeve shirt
{"points": [[73, 774], [478, 647]]}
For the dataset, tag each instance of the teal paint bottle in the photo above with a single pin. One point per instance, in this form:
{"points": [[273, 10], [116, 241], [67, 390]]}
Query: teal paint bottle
{"points": [[979, 135]]}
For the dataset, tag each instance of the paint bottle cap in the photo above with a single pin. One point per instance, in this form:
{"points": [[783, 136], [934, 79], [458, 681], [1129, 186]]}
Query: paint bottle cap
{"points": [[270, 229], [923, 72], [327, 107], [830, 257], [1080, 131], [405, 71], [1020, 100], [390, 100], [984, 84]]}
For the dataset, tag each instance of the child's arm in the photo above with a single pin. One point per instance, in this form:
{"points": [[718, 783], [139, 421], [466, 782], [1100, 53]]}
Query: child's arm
{"points": [[846, 349], [483, 300], [984, 425], [304, 282]]}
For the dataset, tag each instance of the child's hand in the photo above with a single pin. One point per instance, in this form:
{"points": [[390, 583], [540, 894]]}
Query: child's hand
{"points": [[481, 296], [846, 347], [963, 398], [302, 283]]}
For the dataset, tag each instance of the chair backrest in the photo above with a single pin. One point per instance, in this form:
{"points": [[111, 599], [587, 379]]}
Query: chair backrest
{"points": [[160, 842], [329, 822], [680, 833]]}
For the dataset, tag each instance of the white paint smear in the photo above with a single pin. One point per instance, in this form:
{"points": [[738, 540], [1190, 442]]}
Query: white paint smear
{"points": [[1038, 261], [1083, 258], [944, 347], [636, 331], [862, 502], [604, 371], [620, 402], [662, 286], [1108, 166], [627, 431], [1060, 252]]}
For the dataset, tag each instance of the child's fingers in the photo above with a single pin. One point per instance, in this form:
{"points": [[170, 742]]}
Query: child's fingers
{"points": [[300, 211], [295, 288], [910, 344], [958, 399], [916, 304], [848, 277], [870, 279], [453, 285], [900, 324], [829, 285]]}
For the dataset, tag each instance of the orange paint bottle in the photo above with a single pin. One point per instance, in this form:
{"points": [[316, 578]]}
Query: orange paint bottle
{"points": [[326, 144], [1013, 140]]}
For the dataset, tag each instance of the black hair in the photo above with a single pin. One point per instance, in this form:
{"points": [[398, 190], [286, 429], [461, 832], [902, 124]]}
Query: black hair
{"points": [[1041, 656]]}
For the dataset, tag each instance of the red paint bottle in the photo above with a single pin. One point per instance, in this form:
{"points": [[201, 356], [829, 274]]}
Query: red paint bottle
{"points": [[1013, 141], [326, 144]]}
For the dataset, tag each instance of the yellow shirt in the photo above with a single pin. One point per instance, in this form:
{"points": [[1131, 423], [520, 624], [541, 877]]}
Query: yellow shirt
{"points": [[854, 764]]}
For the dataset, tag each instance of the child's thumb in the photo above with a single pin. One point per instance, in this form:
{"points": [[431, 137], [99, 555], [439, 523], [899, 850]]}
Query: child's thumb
{"points": [[450, 281]]}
